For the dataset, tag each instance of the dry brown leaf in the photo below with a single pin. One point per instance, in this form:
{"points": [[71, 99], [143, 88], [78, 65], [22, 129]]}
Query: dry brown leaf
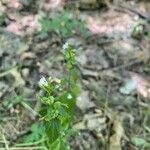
{"points": [[136, 82], [14, 27], [14, 4], [23, 25], [144, 55], [53, 4], [84, 102], [113, 23], [27, 55], [142, 85], [115, 139], [18, 79]]}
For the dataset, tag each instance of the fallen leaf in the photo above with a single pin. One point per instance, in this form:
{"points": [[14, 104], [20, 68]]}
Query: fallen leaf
{"points": [[14, 4], [129, 86], [27, 55], [14, 27], [142, 85], [138, 83], [24, 25], [113, 23], [144, 54], [53, 4], [18, 79], [94, 26], [84, 102], [115, 139], [29, 21]]}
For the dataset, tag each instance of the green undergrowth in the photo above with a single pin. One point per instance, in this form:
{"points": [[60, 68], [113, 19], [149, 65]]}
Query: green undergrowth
{"points": [[58, 98], [64, 25]]}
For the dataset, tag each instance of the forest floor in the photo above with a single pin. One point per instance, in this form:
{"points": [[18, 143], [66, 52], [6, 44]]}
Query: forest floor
{"points": [[112, 40]]}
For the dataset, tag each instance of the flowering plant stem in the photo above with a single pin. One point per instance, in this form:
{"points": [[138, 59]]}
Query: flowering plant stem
{"points": [[59, 99]]}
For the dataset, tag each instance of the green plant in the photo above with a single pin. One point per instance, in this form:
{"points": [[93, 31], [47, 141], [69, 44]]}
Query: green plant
{"points": [[140, 142], [64, 26], [59, 99], [35, 135], [11, 101]]}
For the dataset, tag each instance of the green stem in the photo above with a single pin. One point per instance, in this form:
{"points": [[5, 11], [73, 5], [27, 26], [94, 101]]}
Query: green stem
{"points": [[30, 144]]}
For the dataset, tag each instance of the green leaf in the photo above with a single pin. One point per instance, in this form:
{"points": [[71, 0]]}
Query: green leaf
{"points": [[140, 142], [147, 128], [36, 133], [45, 25], [69, 102], [52, 129], [55, 145], [59, 144], [43, 111]]}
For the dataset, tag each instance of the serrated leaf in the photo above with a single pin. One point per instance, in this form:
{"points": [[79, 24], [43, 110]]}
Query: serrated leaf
{"points": [[36, 133], [52, 129], [69, 102]]}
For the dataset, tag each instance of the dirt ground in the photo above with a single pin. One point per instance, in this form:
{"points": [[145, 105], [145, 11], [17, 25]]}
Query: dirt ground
{"points": [[113, 55]]}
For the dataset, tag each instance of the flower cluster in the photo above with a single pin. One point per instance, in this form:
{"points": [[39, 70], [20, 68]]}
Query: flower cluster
{"points": [[43, 82], [65, 46]]}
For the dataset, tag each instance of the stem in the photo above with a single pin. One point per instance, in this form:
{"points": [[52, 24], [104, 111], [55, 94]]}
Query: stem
{"points": [[27, 148], [30, 144], [69, 80]]}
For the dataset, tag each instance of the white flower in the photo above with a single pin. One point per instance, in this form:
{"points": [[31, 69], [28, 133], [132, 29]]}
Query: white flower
{"points": [[43, 82], [65, 46], [69, 96]]}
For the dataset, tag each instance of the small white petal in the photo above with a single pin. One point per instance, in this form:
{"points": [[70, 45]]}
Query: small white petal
{"points": [[69, 96], [43, 82], [65, 46]]}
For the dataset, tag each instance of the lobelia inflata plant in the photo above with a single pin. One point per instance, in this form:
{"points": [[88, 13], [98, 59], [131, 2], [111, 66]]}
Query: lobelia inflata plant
{"points": [[59, 99]]}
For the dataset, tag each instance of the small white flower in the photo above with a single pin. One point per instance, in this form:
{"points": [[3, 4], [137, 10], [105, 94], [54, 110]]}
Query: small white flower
{"points": [[65, 46], [69, 96], [43, 82]]}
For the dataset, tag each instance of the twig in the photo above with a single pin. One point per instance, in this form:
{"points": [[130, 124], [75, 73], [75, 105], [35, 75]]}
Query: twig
{"points": [[7, 72], [6, 145], [30, 109], [27, 148]]}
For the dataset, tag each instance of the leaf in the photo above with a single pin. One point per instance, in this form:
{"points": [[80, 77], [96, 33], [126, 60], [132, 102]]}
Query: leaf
{"points": [[14, 4], [36, 133], [129, 86], [52, 129], [136, 82], [69, 102], [43, 111], [45, 25], [140, 142], [53, 4], [111, 24], [13, 101], [147, 128], [58, 145], [55, 145], [142, 85], [115, 139]]}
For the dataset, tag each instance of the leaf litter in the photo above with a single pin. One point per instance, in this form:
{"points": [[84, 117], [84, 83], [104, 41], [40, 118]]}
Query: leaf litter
{"points": [[103, 81]]}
